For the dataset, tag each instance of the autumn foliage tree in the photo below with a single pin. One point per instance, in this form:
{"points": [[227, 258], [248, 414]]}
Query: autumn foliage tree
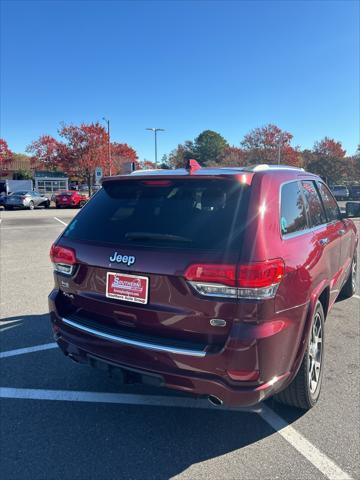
{"points": [[82, 148], [121, 154], [6, 156], [263, 145], [328, 160], [46, 152]]}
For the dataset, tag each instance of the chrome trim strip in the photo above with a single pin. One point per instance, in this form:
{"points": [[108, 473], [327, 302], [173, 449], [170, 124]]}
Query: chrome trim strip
{"points": [[134, 343]]}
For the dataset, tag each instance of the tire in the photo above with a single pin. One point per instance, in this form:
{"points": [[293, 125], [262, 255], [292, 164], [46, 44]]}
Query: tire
{"points": [[349, 288], [7, 207], [302, 392], [47, 205], [31, 205], [58, 206], [81, 204]]}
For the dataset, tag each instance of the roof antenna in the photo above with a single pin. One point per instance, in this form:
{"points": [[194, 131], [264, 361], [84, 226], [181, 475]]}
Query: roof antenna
{"points": [[192, 165]]}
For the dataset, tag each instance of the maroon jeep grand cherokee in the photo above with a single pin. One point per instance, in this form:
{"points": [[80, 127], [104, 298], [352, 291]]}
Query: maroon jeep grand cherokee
{"points": [[210, 281]]}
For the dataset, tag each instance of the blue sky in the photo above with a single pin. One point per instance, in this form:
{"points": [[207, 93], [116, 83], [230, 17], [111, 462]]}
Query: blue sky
{"points": [[184, 66]]}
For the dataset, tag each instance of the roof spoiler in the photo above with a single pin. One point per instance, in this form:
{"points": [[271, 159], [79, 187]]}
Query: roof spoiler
{"points": [[192, 166]]}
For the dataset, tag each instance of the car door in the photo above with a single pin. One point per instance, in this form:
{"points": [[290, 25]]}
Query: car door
{"points": [[342, 229], [36, 198], [326, 238]]}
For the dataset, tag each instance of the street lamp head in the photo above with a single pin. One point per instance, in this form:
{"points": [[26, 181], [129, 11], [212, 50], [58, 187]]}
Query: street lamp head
{"points": [[155, 129]]}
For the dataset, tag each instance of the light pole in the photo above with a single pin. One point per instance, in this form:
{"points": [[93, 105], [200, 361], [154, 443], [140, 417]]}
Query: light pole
{"points": [[279, 148], [109, 147], [155, 130]]}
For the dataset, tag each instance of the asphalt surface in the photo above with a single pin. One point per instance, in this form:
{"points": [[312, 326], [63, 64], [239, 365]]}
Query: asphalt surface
{"points": [[132, 439]]}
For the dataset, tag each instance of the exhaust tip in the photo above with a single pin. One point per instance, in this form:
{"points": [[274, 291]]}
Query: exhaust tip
{"points": [[215, 401]]}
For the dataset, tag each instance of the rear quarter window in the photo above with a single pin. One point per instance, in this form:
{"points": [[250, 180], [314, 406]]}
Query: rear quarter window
{"points": [[292, 210], [313, 203]]}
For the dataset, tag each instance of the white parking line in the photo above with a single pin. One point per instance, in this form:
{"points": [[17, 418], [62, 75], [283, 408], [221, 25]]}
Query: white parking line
{"points": [[102, 397], [22, 351], [317, 458], [321, 461], [58, 219]]}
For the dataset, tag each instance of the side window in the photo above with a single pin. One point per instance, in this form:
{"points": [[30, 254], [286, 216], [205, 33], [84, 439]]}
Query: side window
{"points": [[292, 214], [314, 205], [331, 207]]}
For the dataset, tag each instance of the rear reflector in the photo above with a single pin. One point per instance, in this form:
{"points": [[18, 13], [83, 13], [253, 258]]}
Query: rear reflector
{"points": [[63, 258], [244, 375], [258, 280]]}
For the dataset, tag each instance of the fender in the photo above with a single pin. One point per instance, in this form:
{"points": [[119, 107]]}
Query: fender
{"points": [[306, 331]]}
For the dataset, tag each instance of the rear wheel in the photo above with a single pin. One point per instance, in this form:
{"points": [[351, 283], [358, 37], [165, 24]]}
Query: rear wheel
{"points": [[31, 205], [349, 288], [58, 206], [304, 391], [82, 203]]}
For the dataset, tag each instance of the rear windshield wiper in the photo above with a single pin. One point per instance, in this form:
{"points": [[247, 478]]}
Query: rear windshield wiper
{"points": [[156, 236]]}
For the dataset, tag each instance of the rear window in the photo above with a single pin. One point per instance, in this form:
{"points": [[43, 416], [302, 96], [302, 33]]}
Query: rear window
{"points": [[195, 214]]}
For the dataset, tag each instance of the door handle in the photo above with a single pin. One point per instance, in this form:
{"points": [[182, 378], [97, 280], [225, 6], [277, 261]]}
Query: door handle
{"points": [[341, 231], [324, 241]]}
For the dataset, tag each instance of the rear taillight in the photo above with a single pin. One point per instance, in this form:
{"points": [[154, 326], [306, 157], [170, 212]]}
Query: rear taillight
{"points": [[258, 280], [63, 258]]}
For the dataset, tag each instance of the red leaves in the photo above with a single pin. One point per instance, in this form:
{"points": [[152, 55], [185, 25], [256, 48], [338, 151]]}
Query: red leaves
{"points": [[45, 151], [6, 156], [83, 147], [330, 148], [121, 153], [264, 144]]}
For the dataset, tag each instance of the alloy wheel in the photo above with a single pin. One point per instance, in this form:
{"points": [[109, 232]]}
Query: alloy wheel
{"points": [[315, 353]]}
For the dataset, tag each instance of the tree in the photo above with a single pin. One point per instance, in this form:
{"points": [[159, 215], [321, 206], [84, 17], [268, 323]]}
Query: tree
{"points": [[231, 157], [83, 148], [329, 160], [329, 148], [46, 152], [121, 153], [6, 157], [208, 147], [147, 165], [179, 156], [86, 148], [263, 145]]}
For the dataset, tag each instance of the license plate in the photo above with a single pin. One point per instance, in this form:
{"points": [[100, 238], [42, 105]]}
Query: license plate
{"points": [[130, 288], [64, 199]]}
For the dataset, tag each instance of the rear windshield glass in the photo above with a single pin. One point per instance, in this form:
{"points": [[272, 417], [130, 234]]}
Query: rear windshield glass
{"points": [[195, 214]]}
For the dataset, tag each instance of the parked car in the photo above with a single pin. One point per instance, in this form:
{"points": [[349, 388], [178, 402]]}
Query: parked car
{"points": [[355, 192], [2, 200], [70, 198], [210, 281], [26, 199], [340, 192]]}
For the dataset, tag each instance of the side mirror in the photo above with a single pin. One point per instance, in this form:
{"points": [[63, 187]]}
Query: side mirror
{"points": [[352, 209]]}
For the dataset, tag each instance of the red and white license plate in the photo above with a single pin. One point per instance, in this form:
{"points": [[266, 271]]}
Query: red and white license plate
{"points": [[130, 288]]}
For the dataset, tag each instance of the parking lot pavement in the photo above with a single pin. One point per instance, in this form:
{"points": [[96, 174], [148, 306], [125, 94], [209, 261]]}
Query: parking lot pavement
{"points": [[59, 419]]}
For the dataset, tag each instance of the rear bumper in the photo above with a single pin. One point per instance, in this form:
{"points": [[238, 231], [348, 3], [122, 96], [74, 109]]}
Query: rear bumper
{"points": [[271, 351]]}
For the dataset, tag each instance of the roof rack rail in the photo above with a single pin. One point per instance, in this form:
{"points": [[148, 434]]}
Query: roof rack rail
{"points": [[264, 166]]}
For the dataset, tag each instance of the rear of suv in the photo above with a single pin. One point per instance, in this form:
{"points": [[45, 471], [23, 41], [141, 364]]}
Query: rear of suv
{"points": [[215, 282]]}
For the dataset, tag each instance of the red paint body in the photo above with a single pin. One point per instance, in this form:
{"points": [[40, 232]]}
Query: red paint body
{"points": [[70, 199], [263, 340]]}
